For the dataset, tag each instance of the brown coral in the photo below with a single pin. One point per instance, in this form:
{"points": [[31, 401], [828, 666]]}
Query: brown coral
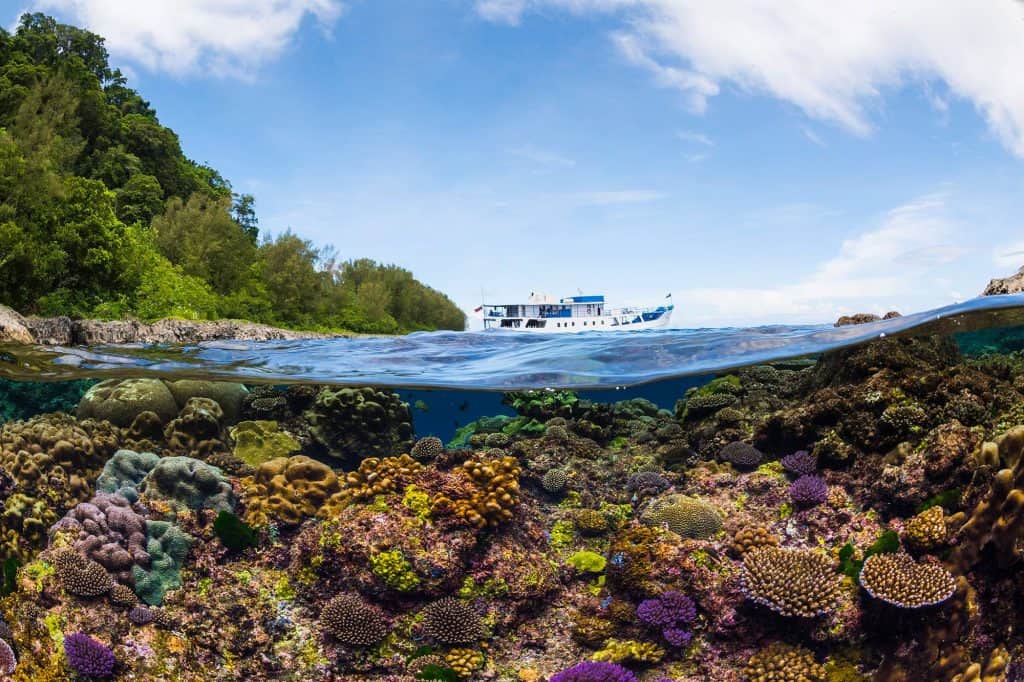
{"points": [[898, 580], [926, 530], [750, 538], [493, 493], [685, 516], [80, 576], [288, 490], [791, 582], [353, 621], [781, 662]]}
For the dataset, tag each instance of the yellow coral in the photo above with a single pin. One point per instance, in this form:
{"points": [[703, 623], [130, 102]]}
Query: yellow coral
{"points": [[495, 493], [464, 662], [624, 650]]}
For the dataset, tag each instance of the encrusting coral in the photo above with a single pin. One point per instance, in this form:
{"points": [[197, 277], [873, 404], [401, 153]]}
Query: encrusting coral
{"points": [[288, 490]]}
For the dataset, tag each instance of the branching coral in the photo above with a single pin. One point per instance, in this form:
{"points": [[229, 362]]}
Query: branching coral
{"points": [[594, 671], [554, 480], [791, 582], [427, 448], [80, 576], [743, 456], [927, 530], [898, 580], [801, 463], [88, 657], [808, 491], [626, 650], [377, 476], [747, 539]]}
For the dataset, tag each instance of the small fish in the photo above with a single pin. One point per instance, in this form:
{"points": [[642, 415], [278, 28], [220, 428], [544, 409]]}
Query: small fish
{"points": [[464, 406], [421, 405]]}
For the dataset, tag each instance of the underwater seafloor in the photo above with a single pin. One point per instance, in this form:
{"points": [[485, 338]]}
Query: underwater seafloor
{"points": [[857, 514]]}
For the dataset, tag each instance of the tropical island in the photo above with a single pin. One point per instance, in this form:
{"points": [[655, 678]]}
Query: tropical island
{"points": [[102, 215]]}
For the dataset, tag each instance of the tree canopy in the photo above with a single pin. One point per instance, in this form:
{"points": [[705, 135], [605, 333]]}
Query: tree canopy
{"points": [[102, 214]]}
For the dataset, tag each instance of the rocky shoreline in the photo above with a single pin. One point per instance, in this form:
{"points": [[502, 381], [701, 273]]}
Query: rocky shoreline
{"points": [[65, 331]]}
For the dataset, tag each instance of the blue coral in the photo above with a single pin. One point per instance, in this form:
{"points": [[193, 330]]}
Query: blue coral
{"points": [[168, 546], [123, 473]]}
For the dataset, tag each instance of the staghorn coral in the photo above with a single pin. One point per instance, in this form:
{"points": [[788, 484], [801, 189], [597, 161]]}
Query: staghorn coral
{"points": [[750, 538], [898, 580], [452, 621], [288, 490], [781, 662], [108, 531], [791, 582], [353, 621], [360, 422], [88, 657], [685, 516], [186, 483], [427, 448], [493, 493], [80, 576]]}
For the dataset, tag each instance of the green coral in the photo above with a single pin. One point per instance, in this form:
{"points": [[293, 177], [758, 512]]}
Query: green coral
{"points": [[394, 570], [257, 442], [589, 562], [168, 546], [562, 534]]}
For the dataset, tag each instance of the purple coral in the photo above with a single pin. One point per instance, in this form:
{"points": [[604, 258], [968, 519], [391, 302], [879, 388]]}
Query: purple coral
{"points": [[801, 463], [594, 671], [808, 491], [647, 483], [8, 662], [87, 656], [677, 637], [110, 532], [669, 610]]}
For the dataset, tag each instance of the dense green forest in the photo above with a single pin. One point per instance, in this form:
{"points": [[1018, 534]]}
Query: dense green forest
{"points": [[101, 214]]}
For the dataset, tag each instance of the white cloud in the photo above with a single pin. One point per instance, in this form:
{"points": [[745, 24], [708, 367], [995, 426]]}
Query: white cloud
{"points": [[222, 37], [628, 196], [901, 261], [1009, 255], [833, 60], [542, 156], [695, 138], [812, 136]]}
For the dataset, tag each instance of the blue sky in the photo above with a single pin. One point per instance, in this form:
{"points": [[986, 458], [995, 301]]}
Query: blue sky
{"points": [[764, 166]]}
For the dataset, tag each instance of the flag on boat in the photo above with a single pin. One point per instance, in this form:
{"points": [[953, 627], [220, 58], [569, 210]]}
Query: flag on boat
{"points": [[478, 309]]}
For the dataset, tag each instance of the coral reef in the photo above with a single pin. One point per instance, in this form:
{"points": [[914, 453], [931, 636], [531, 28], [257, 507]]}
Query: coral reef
{"points": [[784, 663], [187, 483], [791, 582], [360, 422], [88, 657], [898, 580], [352, 621]]}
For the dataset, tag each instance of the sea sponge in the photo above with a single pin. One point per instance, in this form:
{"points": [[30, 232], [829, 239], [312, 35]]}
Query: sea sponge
{"points": [[288, 490], [119, 401], [898, 580], [743, 456], [493, 493], [791, 582], [926, 531], [353, 621], [685, 516], [452, 621], [196, 431], [186, 483], [360, 422], [80, 576], [88, 657], [781, 662], [123, 473], [554, 480], [427, 448], [168, 547], [590, 522], [749, 538], [108, 531], [808, 491]]}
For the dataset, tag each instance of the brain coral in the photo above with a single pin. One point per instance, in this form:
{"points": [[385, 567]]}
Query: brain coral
{"points": [[184, 482], [791, 582], [353, 621], [452, 621], [168, 547], [123, 473], [119, 401], [781, 662], [898, 580], [360, 422], [685, 516], [108, 531], [288, 489], [743, 456]]}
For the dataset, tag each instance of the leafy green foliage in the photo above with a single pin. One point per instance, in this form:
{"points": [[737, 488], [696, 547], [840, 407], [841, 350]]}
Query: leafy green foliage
{"points": [[847, 564], [887, 543], [101, 213], [233, 532], [947, 499], [436, 672]]}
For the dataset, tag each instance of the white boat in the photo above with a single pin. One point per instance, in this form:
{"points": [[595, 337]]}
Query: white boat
{"points": [[548, 315]]}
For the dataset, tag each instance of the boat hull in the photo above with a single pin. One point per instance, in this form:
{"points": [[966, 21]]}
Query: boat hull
{"points": [[632, 321]]}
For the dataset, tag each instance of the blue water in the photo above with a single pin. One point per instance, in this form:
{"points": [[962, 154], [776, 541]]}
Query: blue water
{"points": [[498, 361]]}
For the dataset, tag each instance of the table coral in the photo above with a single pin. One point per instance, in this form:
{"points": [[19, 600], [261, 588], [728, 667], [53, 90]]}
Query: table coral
{"points": [[791, 582]]}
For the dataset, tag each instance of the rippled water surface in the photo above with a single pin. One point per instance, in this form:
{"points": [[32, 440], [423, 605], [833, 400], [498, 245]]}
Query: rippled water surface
{"points": [[498, 360]]}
